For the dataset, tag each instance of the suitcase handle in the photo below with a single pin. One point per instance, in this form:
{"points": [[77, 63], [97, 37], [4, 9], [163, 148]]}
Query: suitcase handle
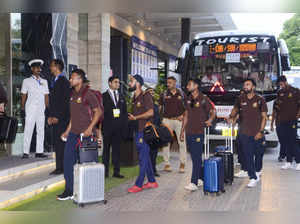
{"points": [[229, 139], [206, 142], [92, 137]]}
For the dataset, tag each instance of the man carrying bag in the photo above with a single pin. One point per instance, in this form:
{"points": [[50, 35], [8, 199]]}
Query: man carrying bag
{"points": [[85, 113]]}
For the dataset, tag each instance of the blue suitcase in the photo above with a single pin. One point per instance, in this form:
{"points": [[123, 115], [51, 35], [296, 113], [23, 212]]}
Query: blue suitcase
{"points": [[213, 170], [221, 148], [213, 175]]}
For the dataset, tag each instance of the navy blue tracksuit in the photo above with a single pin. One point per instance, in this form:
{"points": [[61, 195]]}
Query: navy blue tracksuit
{"points": [[253, 151], [144, 160], [287, 135], [195, 146]]}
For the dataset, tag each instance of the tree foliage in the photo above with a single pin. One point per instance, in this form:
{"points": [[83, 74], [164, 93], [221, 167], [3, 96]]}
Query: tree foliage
{"points": [[291, 34]]}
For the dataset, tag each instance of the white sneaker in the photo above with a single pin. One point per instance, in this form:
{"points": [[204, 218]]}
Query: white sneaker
{"points": [[297, 167], [252, 183], [200, 183], [258, 174], [241, 174], [257, 178], [191, 187], [286, 166]]}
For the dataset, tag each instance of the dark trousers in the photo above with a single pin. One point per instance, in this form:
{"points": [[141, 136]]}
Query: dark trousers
{"points": [[144, 160], [253, 151], [195, 146], [70, 159], [59, 145], [280, 134], [288, 133], [153, 157], [113, 140], [240, 153]]}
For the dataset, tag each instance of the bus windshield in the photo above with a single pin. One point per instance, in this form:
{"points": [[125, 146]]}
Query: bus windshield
{"points": [[222, 63]]}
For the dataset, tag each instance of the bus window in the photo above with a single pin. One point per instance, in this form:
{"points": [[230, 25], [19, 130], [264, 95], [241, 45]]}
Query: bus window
{"points": [[212, 66]]}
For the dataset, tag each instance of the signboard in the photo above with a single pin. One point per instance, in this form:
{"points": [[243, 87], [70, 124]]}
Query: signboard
{"points": [[232, 48], [223, 111], [144, 57], [233, 58], [233, 44]]}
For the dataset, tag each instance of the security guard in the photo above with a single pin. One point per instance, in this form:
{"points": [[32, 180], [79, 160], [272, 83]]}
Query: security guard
{"points": [[252, 110], [200, 112], [288, 111], [143, 112], [172, 105], [34, 101]]}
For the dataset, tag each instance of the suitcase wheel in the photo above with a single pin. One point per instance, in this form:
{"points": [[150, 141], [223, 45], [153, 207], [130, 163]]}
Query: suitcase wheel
{"points": [[218, 193], [81, 205], [223, 191], [205, 193], [105, 202]]}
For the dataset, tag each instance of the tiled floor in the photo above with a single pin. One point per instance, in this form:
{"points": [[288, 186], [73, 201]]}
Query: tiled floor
{"points": [[278, 190]]}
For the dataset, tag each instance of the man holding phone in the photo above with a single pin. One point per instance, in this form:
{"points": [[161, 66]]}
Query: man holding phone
{"points": [[81, 122]]}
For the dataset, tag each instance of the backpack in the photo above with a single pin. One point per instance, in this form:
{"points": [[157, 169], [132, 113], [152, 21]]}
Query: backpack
{"points": [[98, 95]]}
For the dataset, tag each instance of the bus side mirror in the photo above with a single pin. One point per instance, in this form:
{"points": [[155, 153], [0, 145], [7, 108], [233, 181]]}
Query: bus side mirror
{"points": [[181, 57], [284, 55]]}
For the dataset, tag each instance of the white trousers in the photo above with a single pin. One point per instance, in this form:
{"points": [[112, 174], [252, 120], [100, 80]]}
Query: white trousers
{"points": [[34, 117], [176, 126]]}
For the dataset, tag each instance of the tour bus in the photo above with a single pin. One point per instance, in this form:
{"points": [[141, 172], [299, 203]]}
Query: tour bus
{"points": [[234, 56]]}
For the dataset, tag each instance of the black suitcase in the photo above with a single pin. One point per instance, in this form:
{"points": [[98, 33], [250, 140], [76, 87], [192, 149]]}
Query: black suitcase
{"points": [[88, 150], [8, 129], [227, 158], [226, 153]]}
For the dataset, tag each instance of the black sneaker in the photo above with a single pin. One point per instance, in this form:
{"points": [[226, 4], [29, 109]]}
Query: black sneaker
{"points": [[40, 155], [64, 196], [117, 175], [56, 172], [280, 159], [25, 156], [156, 174]]}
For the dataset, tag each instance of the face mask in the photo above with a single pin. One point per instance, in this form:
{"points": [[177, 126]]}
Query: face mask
{"points": [[131, 89]]}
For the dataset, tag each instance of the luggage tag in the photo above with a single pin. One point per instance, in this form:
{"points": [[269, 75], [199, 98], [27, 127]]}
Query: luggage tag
{"points": [[116, 113]]}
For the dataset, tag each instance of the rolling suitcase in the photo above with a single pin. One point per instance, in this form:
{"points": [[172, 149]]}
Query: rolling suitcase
{"points": [[8, 129], [89, 183], [213, 170], [227, 158]]}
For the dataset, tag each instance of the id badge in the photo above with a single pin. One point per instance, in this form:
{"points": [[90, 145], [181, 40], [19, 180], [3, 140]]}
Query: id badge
{"points": [[116, 113]]}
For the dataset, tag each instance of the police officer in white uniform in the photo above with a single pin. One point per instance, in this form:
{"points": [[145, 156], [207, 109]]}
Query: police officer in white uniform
{"points": [[34, 100]]}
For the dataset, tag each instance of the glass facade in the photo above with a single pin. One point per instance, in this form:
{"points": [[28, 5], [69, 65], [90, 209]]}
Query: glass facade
{"points": [[18, 65], [25, 36]]}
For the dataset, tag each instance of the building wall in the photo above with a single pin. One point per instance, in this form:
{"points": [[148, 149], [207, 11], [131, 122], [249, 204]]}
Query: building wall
{"points": [[89, 43], [132, 30]]}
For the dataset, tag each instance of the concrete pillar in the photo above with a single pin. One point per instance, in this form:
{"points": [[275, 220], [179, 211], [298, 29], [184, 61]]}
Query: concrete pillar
{"points": [[185, 30], [72, 38], [98, 64]]}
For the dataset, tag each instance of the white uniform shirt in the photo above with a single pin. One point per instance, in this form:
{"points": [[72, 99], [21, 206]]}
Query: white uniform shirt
{"points": [[36, 91]]}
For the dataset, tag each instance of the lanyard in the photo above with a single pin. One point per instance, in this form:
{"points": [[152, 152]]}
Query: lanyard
{"points": [[38, 80], [56, 78], [60, 75]]}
